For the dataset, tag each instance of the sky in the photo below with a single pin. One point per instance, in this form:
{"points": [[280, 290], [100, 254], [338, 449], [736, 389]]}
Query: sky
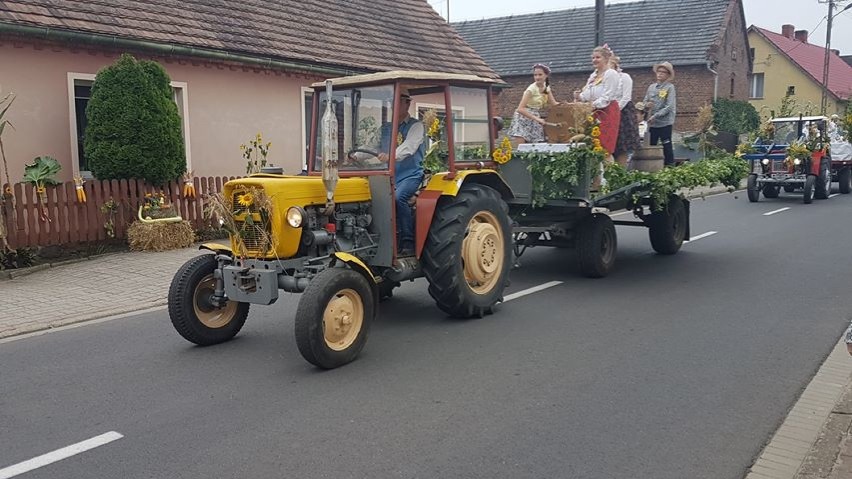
{"points": [[768, 14]]}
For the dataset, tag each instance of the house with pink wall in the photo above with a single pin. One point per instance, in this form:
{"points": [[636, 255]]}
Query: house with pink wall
{"points": [[237, 68]]}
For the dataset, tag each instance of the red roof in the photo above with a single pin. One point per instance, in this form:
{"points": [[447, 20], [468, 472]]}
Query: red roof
{"points": [[811, 59]]}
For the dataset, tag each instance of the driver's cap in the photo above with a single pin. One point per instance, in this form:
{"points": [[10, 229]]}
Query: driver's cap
{"points": [[404, 94]]}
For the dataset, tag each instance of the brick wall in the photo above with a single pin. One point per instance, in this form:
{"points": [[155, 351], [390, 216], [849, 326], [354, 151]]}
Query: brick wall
{"points": [[694, 85]]}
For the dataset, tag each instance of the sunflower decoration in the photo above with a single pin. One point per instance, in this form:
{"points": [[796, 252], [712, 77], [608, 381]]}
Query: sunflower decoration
{"points": [[503, 153], [663, 94], [245, 200]]}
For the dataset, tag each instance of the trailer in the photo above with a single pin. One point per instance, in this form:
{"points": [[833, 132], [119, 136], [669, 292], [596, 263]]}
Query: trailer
{"points": [[583, 221]]}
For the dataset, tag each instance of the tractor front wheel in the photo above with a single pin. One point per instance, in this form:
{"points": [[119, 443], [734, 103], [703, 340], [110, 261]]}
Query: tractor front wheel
{"points": [[192, 310], [808, 189], [468, 252], [752, 189], [333, 317], [823, 183]]}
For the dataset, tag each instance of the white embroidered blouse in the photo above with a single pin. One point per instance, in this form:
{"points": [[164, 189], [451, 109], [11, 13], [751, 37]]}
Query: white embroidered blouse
{"points": [[602, 91]]}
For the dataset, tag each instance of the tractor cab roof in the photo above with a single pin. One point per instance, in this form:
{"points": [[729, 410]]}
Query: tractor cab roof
{"points": [[796, 118], [407, 75]]}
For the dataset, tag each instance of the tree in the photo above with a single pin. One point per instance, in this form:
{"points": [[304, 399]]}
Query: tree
{"points": [[134, 130], [735, 116]]}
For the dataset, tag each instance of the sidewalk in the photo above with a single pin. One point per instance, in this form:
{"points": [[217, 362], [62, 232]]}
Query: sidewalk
{"points": [[126, 282], [89, 289]]}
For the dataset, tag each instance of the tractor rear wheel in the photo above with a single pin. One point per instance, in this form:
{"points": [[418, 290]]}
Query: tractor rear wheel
{"points": [[333, 317], [193, 313], [752, 189], [468, 252], [596, 245], [844, 177], [667, 228]]}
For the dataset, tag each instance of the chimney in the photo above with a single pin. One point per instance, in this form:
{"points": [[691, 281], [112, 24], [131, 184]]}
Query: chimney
{"points": [[802, 36], [836, 52], [787, 30]]}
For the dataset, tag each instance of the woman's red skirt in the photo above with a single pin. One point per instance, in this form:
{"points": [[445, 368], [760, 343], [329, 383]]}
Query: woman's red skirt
{"points": [[610, 118]]}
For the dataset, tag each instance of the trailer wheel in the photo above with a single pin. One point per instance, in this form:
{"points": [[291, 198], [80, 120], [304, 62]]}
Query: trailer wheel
{"points": [[468, 252], [771, 191], [822, 189], [667, 228], [844, 177], [333, 317], [789, 188], [596, 245], [191, 310], [808, 189], [752, 189]]}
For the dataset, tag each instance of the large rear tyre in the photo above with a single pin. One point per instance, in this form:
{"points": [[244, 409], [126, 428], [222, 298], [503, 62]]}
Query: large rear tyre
{"points": [[808, 189], [752, 189], [333, 317], [596, 246], [844, 177], [667, 228], [771, 191], [822, 189], [191, 309], [468, 252]]}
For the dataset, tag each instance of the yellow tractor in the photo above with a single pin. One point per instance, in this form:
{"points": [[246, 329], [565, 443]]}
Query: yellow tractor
{"points": [[331, 232]]}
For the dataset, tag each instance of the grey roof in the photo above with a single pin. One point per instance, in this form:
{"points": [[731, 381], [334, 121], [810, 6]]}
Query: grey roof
{"points": [[640, 33], [847, 59]]}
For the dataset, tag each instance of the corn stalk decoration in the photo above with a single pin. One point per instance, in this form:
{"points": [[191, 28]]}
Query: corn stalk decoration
{"points": [[40, 173], [6, 194]]}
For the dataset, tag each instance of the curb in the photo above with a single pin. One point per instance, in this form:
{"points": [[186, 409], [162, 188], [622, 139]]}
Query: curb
{"points": [[9, 274], [27, 331]]}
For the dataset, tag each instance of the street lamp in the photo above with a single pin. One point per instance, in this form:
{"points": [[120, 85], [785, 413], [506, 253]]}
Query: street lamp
{"points": [[824, 100]]}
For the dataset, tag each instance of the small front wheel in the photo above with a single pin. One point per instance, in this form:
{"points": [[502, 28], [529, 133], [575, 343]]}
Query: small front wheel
{"points": [[808, 189], [334, 317], [771, 191], [752, 189], [192, 310]]}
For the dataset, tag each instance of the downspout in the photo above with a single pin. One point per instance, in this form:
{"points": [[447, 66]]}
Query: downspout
{"points": [[167, 49], [715, 81]]}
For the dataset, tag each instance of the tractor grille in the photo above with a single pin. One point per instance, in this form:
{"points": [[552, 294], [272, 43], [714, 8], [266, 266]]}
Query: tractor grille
{"points": [[254, 237]]}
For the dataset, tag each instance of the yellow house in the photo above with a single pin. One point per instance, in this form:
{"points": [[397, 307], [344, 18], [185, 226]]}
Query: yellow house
{"points": [[786, 64]]}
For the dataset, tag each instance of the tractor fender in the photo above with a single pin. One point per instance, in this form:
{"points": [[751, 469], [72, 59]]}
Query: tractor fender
{"points": [[217, 248], [448, 184], [357, 265]]}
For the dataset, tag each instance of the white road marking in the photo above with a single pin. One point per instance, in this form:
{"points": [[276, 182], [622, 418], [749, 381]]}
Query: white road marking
{"points": [[698, 237], [59, 454], [770, 213], [832, 196], [534, 289]]}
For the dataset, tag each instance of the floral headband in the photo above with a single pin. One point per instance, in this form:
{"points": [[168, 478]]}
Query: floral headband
{"points": [[544, 68]]}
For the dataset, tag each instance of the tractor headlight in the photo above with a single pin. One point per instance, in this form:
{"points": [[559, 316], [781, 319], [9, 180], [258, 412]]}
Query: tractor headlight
{"points": [[765, 161], [295, 216], [797, 161]]}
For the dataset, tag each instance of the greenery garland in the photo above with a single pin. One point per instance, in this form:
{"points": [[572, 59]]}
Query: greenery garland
{"points": [[556, 175], [722, 168]]}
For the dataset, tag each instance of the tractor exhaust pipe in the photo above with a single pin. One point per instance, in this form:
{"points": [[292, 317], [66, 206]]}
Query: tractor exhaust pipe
{"points": [[330, 175]]}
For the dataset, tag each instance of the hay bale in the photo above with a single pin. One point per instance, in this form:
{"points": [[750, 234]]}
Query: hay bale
{"points": [[159, 236]]}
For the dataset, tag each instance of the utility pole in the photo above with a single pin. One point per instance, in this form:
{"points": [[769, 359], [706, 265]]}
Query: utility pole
{"points": [[824, 101], [599, 22], [448, 11]]}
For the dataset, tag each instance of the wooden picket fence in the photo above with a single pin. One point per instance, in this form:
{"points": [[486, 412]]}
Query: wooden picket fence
{"points": [[72, 222]]}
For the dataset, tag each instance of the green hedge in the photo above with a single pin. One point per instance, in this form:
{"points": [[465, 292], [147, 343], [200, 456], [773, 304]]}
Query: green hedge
{"points": [[134, 129], [735, 116]]}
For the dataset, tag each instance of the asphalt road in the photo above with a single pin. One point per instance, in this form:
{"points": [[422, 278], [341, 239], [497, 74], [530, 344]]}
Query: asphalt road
{"points": [[671, 367]]}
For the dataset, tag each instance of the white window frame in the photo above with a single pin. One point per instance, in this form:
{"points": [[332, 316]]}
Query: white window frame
{"points": [[303, 91], [181, 91], [753, 86]]}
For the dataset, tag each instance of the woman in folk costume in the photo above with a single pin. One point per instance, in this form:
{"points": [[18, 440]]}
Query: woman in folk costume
{"points": [[602, 91], [527, 123], [628, 131]]}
